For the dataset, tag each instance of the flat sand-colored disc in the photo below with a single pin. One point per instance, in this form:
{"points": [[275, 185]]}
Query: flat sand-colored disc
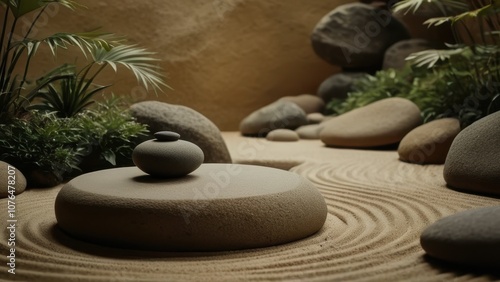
{"points": [[217, 207]]}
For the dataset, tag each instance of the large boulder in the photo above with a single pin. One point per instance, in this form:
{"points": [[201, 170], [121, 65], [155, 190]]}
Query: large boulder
{"points": [[380, 123], [191, 125], [338, 85], [429, 143], [472, 162], [356, 36], [395, 56], [280, 114]]}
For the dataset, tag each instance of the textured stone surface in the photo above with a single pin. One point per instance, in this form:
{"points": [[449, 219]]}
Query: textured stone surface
{"points": [[310, 131], [338, 85], [473, 163], [356, 36], [167, 158], [429, 143], [217, 207], [381, 123], [282, 135], [314, 118], [191, 125], [307, 102], [10, 173], [280, 114], [470, 237], [396, 54]]}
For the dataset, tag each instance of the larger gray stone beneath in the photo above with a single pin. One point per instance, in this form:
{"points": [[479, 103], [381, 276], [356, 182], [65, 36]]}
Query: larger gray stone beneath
{"points": [[356, 36], [191, 125], [217, 207], [472, 163], [470, 237], [280, 114]]}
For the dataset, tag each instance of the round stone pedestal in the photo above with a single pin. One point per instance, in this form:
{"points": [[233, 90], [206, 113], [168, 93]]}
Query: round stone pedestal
{"points": [[217, 207]]}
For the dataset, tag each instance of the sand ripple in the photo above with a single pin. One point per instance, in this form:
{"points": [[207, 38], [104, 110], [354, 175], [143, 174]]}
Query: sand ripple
{"points": [[377, 208]]}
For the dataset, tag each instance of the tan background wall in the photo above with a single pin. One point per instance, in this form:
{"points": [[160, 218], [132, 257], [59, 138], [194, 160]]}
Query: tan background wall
{"points": [[223, 58]]}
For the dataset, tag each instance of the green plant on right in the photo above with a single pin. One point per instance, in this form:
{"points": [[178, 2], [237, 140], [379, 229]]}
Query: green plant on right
{"points": [[471, 68], [462, 81]]}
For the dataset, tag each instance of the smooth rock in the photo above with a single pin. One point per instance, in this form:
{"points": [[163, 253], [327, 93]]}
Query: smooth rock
{"points": [[314, 118], [338, 85], [469, 237], [280, 114], [395, 56], [191, 125], [380, 123], [310, 131], [167, 159], [473, 162], [356, 36], [430, 142], [167, 136], [286, 135], [218, 207], [307, 102], [11, 176]]}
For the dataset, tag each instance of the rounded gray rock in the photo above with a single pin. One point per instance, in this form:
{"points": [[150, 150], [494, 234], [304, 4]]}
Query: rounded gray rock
{"points": [[395, 56], [191, 125], [11, 179], [380, 123], [470, 237], [218, 207], [284, 135], [307, 102], [167, 159], [472, 164], [338, 85], [430, 142], [280, 114], [356, 36], [310, 131]]}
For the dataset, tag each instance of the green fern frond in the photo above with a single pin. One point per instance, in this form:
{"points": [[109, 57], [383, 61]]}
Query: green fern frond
{"points": [[429, 58]]}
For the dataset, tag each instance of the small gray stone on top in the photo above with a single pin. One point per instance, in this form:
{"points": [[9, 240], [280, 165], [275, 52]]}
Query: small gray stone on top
{"points": [[191, 125]]}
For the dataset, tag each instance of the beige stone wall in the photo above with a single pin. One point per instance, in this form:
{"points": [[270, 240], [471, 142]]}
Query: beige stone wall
{"points": [[223, 58]]}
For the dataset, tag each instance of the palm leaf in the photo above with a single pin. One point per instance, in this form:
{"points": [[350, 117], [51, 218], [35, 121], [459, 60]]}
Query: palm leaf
{"points": [[87, 41], [429, 58], [136, 59], [445, 6], [22, 7]]}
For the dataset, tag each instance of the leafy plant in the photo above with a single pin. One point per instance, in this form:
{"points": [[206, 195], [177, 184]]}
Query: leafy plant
{"points": [[62, 90], [471, 67], [94, 139], [462, 81], [42, 143], [113, 133]]}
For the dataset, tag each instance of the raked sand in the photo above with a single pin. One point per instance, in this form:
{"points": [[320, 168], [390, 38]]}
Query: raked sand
{"points": [[377, 208]]}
